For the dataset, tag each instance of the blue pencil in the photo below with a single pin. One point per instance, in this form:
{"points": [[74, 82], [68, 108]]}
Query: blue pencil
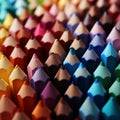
{"points": [[98, 44], [111, 110], [109, 57], [88, 110], [90, 59], [82, 78], [98, 93], [71, 62]]}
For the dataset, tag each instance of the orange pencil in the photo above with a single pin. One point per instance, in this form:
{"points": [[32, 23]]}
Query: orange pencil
{"points": [[16, 79], [24, 16], [41, 111], [7, 108], [20, 115], [26, 98], [22, 36]]}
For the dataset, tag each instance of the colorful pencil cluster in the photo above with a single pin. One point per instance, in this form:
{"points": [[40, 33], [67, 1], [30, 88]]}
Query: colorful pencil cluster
{"points": [[60, 60]]}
